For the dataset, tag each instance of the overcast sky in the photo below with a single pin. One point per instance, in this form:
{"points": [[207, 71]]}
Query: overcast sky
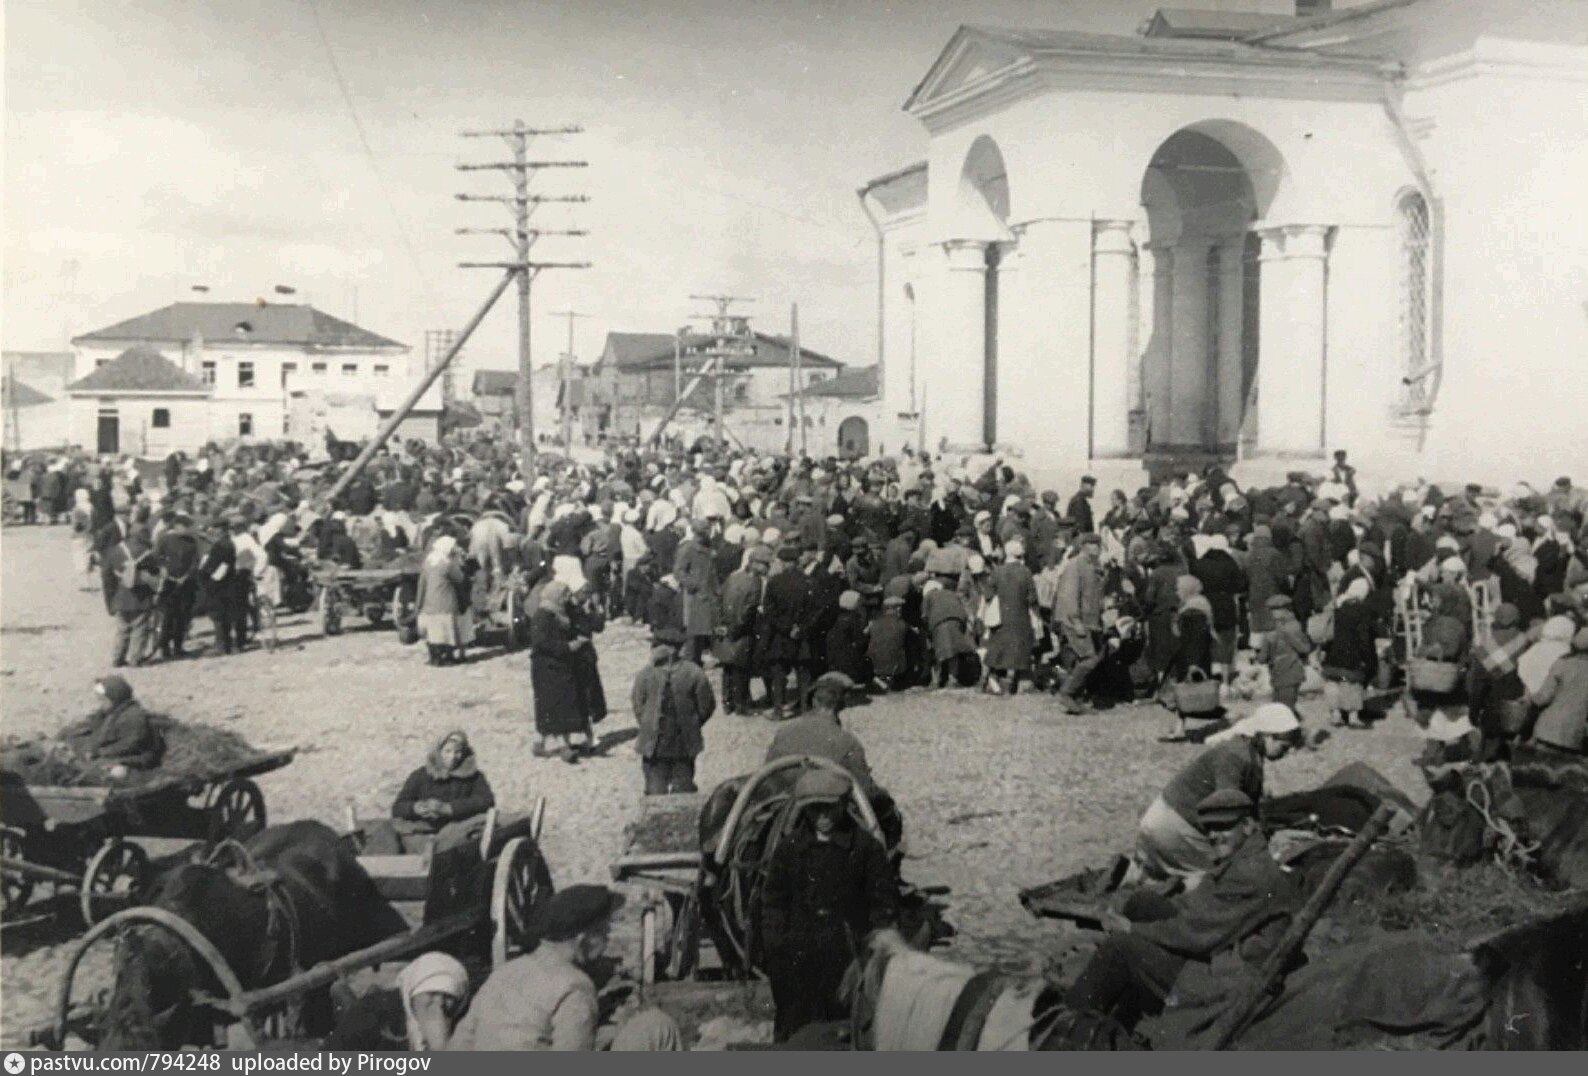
{"points": [[151, 145]]}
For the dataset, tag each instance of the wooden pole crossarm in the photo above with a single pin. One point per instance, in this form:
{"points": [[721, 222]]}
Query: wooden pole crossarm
{"points": [[517, 266], [389, 427], [507, 165], [528, 199], [505, 132]]}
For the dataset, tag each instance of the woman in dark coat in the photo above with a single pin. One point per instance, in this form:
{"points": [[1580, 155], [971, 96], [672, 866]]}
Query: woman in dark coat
{"points": [[1267, 576], [1010, 643], [586, 621], [1160, 605], [1351, 656], [846, 640], [554, 673], [119, 732], [449, 787]]}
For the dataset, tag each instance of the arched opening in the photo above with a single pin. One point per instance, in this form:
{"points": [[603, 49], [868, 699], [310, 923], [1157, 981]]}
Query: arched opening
{"points": [[854, 438], [982, 210], [1202, 190]]}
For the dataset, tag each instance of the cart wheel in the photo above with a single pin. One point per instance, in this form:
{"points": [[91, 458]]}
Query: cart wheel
{"points": [[18, 886], [330, 613], [521, 881], [683, 950], [112, 879], [236, 810]]}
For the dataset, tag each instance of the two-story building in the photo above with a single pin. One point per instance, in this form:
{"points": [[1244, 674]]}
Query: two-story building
{"points": [[640, 375], [249, 361]]}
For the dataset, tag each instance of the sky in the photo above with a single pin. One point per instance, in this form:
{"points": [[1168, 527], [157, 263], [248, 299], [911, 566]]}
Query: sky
{"points": [[154, 145]]}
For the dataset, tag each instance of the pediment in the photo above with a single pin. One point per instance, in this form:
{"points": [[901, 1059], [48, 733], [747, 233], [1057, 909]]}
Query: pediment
{"points": [[971, 57]]}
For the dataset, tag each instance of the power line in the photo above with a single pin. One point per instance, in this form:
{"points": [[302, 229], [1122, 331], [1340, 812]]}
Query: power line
{"points": [[369, 154]]}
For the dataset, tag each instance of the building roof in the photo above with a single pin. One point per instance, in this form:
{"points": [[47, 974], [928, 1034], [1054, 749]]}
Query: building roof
{"points": [[650, 351], [1212, 25], [856, 384], [21, 394], [39, 365], [495, 382], [291, 324], [139, 369]]}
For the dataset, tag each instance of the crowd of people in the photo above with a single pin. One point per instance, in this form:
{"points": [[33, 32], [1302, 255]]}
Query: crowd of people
{"points": [[810, 583]]}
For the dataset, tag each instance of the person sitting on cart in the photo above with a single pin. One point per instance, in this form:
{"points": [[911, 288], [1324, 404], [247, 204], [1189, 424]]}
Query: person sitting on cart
{"points": [[1167, 946], [119, 731], [337, 546], [449, 788], [818, 733], [828, 887], [547, 1000]]}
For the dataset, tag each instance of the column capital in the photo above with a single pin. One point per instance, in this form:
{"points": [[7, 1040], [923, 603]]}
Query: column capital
{"points": [[1112, 237], [965, 253], [1294, 240]]}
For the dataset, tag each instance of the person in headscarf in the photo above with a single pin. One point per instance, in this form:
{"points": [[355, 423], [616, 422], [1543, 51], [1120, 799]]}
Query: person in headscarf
{"points": [[1012, 639], [1562, 723], [442, 603], [1223, 582], [118, 731], [1494, 690], [82, 521], [431, 993], [1553, 643], [448, 788], [1170, 839], [554, 675], [1350, 659], [1193, 648]]}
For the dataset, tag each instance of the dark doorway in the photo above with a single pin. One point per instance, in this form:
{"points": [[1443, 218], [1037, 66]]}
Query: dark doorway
{"points": [[109, 433], [854, 438]]}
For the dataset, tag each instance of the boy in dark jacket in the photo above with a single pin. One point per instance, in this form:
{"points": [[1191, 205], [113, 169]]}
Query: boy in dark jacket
{"points": [[1284, 650], [672, 700]]}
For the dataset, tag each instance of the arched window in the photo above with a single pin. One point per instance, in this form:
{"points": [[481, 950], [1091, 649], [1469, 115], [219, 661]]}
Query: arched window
{"points": [[1416, 299]]}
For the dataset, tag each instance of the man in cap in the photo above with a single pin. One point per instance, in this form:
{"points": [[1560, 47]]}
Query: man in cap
{"points": [[1078, 616], [1170, 841], [735, 646], [177, 552], [1079, 511], [224, 587], [137, 574], [672, 700], [894, 653], [1234, 917], [828, 886], [820, 734], [695, 568], [546, 1000], [790, 613]]}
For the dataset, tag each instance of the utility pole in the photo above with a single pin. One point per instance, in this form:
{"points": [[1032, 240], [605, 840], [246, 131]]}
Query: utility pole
{"points": [[522, 238], [731, 336], [565, 371], [797, 366], [438, 342]]}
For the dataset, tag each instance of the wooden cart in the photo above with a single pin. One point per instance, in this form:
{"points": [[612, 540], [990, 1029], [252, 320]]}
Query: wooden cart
{"points": [[455, 898], [84, 838], [377, 594]]}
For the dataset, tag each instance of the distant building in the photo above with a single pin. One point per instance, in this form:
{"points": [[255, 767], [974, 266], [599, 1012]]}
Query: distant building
{"points": [[494, 395], [37, 413], [842, 413], [632, 386], [140, 403], [246, 361]]}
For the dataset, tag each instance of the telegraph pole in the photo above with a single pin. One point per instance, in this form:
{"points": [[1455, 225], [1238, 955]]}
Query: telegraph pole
{"points": [[522, 238], [730, 336], [565, 372], [797, 371]]}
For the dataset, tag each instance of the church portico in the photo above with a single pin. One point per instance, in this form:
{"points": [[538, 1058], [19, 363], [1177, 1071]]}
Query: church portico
{"points": [[1170, 251]]}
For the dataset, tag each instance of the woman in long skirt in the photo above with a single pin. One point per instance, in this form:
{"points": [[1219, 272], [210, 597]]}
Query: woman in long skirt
{"points": [[442, 601], [554, 673]]}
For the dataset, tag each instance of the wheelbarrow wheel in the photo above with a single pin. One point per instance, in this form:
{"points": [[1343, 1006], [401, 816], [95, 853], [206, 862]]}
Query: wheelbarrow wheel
{"points": [[18, 886], [112, 880], [236, 810]]}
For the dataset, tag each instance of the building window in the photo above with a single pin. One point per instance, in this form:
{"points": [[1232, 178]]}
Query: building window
{"points": [[287, 370], [741, 392], [318, 368], [245, 375], [245, 425], [160, 419], [382, 370], [1416, 299], [207, 371], [101, 362], [815, 377], [350, 369]]}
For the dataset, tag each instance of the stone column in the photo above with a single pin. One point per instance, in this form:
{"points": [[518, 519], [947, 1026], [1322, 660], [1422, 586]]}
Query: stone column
{"points": [[1189, 368], [1113, 267], [1227, 370], [1290, 401], [953, 379], [1157, 332]]}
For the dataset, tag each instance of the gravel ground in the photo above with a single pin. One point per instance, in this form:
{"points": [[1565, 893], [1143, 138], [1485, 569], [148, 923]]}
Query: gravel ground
{"points": [[997, 794]]}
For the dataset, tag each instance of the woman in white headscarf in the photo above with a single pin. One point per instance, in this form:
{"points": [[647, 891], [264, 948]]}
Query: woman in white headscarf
{"points": [[443, 603], [1553, 644], [433, 988]]}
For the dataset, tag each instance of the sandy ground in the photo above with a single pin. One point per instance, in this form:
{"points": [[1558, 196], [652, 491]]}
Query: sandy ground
{"points": [[997, 794]]}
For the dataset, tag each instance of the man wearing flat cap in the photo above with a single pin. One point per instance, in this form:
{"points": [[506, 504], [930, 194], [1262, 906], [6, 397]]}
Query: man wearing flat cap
{"points": [[224, 588], [672, 700], [790, 613], [828, 887], [1226, 925], [1078, 617], [545, 1000], [735, 645]]}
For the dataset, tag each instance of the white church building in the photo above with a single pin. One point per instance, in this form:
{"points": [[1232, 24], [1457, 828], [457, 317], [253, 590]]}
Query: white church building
{"points": [[1246, 235]]}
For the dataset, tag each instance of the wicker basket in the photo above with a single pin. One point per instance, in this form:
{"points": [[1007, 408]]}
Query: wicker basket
{"points": [[1440, 677], [1196, 694]]}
